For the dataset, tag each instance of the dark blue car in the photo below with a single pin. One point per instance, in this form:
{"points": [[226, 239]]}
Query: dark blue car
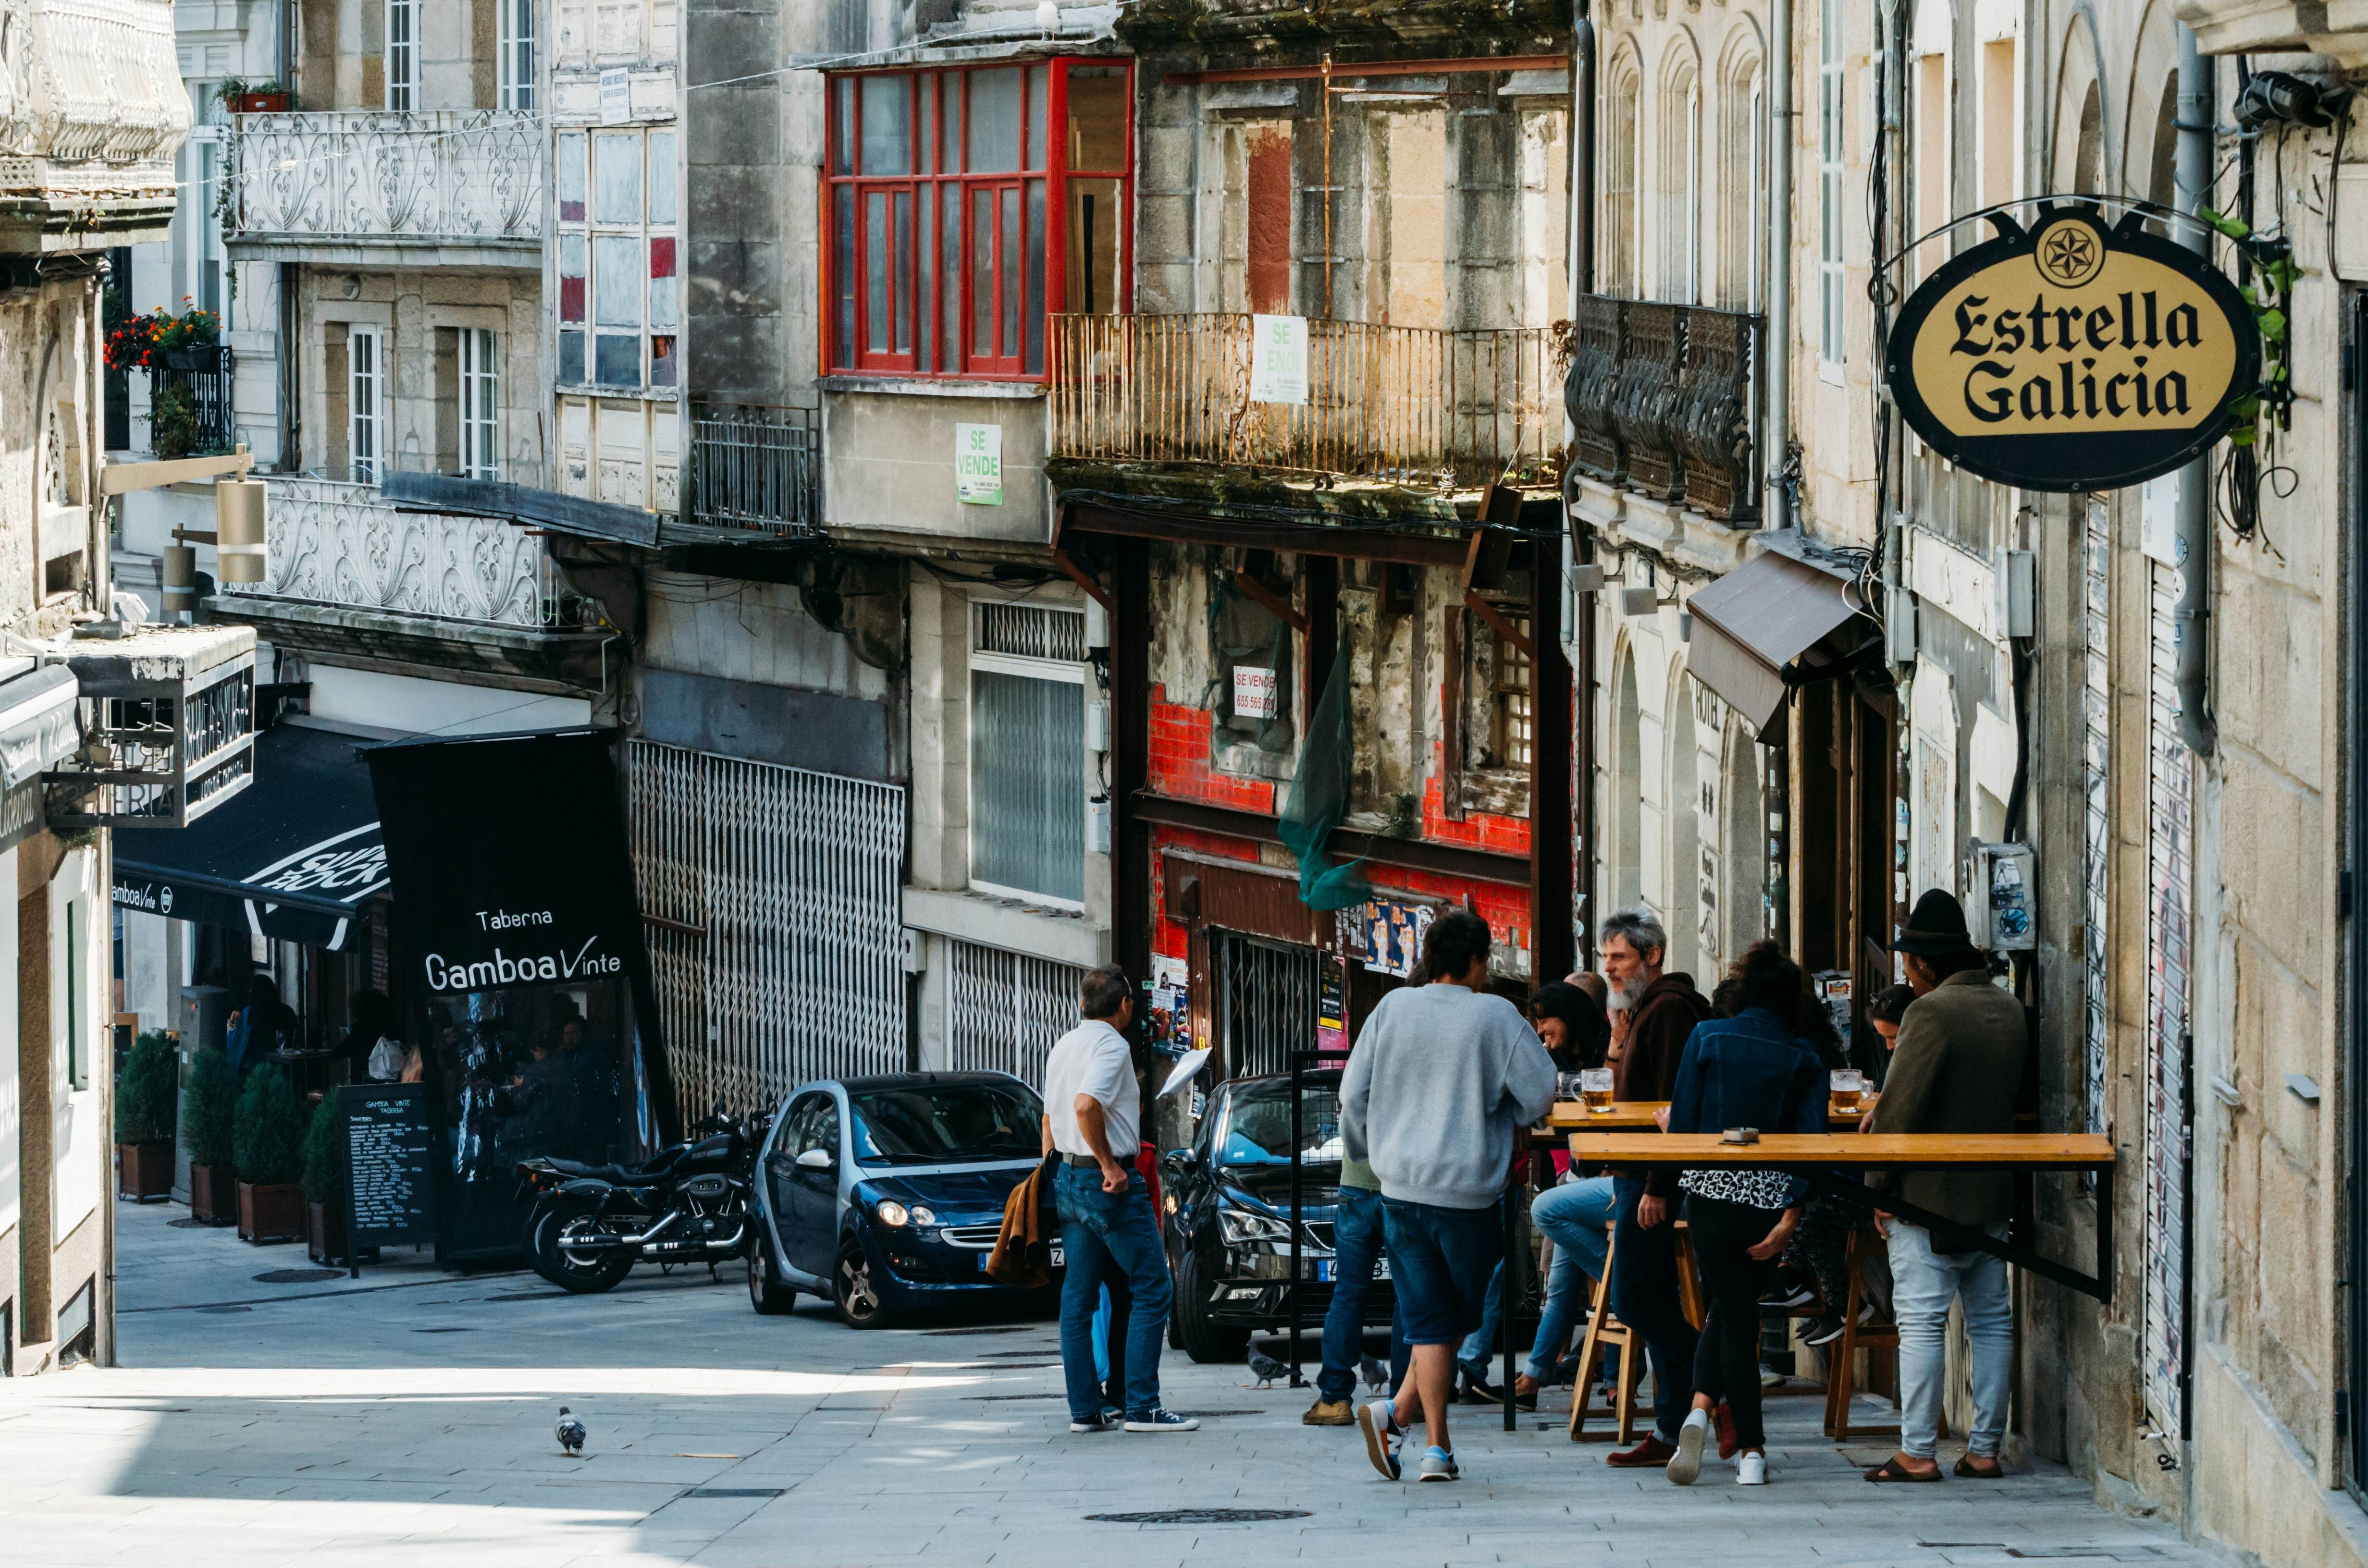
{"points": [[885, 1194]]}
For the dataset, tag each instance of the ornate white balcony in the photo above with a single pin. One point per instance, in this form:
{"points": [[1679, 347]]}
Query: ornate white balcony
{"points": [[92, 110], [345, 545], [336, 185]]}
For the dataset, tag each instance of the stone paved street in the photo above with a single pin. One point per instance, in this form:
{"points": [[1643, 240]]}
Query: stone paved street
{"points": [[410, 1421]]}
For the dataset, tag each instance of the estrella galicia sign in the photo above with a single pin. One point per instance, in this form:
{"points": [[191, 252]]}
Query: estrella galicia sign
{"points": [[2070, 355]]}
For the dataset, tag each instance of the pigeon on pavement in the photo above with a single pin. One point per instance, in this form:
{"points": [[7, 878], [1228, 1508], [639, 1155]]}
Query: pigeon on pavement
{"points": [[1376, 1376], [570, 1433], [1266, 1369]]}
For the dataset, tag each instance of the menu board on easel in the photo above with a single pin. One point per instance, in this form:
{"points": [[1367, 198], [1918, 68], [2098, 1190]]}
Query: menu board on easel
{"points": [[388, 1132]]}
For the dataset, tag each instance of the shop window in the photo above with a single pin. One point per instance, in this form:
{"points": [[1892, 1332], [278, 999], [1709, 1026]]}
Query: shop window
{"points": [[403, 56], [516, 59], [620, 282], [1028, 753], [940, 232]]}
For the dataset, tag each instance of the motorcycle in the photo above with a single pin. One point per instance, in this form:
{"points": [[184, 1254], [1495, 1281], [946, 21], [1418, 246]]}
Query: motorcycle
{"points": [[590, 1224]]}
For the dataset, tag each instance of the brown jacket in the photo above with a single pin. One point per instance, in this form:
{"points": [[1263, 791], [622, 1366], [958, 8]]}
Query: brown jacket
{"points": [[1662, 1020], [1023, 1253], [1956, 1070]]}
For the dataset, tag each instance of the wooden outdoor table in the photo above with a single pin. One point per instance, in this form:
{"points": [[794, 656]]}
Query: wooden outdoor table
{"points": [[1828, 1158], [1637, 1115]]}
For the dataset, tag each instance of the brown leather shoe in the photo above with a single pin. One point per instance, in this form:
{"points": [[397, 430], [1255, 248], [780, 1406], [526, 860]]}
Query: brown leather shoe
{"points": [[1727, 1441], [1650, 1454], [1329, 1413]]}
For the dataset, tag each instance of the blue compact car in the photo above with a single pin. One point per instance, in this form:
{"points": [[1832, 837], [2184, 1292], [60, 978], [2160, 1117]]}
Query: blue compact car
{"points": [[885, 1194]]}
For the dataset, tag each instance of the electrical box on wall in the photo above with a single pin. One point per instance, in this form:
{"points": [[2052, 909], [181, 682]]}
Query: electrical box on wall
{"points": [[914, 950], [2003, 911], [1098, 826], [2016, 575], [1097, 725]]}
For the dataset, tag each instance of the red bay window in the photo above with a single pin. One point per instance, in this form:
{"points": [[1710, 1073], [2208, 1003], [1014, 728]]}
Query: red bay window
{"points": [[954, 224]]}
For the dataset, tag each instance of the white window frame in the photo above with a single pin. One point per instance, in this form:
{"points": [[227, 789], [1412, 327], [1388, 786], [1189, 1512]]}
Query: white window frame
{"points": [[660, 149], [403, 56], [515, 58], [1062, 671], [481, 403], [366, 402], [1692, 281], [1832, 106]]}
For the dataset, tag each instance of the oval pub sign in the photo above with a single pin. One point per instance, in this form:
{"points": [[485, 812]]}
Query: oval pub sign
{"points": [[2068, 356]]}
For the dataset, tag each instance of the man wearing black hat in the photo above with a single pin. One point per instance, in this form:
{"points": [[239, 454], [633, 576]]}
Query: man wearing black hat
{"points": [[1954, 1070]]}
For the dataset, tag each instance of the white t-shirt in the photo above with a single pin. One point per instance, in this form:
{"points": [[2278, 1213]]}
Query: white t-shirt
{"points": [[1093, 1059]]}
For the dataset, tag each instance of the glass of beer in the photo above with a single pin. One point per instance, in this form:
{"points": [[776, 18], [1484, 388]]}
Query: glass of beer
{"points": [[1849, 1086], [1594, 1089]]}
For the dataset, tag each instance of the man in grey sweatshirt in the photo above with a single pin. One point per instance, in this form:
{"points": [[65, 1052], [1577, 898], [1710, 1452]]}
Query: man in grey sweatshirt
{"points": [[1441, 1075]]}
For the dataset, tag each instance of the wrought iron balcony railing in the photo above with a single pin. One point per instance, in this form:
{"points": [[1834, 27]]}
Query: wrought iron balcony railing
{"points": [[755, 468], [362, 177], [189, 412], [1665, 401], [1416, 407]]}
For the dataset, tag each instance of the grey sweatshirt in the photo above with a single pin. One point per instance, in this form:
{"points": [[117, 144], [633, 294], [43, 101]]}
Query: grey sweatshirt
{"points": [[1439, 1078]]}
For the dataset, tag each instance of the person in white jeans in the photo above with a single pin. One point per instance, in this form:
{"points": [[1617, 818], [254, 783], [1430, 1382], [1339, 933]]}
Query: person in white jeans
{"points": [[1923, 1284]]}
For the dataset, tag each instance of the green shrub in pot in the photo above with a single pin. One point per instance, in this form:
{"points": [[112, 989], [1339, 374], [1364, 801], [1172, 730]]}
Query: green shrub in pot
{"points": [[325, 1161], [269, 1140], [145, 1096], [210, 1108]]}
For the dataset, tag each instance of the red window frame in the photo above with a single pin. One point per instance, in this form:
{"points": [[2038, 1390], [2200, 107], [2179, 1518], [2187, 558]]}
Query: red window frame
{"points": [[937, 325]]}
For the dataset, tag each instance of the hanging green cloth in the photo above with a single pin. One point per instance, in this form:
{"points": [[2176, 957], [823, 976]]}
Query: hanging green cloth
{"points": [[1319, 798]]}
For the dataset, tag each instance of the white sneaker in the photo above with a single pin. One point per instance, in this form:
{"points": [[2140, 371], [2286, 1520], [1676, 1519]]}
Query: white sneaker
{"points": [[1751, 1469], [1437, 1464], [1685, 1465], [1379, 1421]]}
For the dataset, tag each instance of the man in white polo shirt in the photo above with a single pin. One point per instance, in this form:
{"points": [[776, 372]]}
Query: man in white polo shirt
{"points": [[1092, 1115]]}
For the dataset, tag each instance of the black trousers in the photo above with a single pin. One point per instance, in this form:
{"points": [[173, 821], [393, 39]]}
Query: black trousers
{"points": [[1726, 1361], [1644, 1297]]}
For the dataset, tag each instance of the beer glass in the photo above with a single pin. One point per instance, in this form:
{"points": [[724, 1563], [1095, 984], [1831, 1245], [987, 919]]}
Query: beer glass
{"points": [[1594, 1089]]}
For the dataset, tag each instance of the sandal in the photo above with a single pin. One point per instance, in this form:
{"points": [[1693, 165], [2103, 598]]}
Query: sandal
{"points": [[1965, 1467], [1891, 1470]]}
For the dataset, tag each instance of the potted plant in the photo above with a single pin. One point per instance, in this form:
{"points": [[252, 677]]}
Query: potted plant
{"points": [[190, 341], [144, 1120], [252, 97], [270, 1134], [209, 1115], [324, 1186]]}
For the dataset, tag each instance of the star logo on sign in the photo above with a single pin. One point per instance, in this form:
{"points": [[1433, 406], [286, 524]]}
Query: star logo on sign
{"points": [[2069, 255]]}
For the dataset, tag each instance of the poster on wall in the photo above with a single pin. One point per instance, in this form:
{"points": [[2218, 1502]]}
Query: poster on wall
{"points": [[1386, 934], [1331, 1007], [1171, 1003], [1278, 360], [520, 936], [1254, 692]]}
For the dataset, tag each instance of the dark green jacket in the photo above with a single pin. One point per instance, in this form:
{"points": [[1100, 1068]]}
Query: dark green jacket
{"points": [[1956, 1070]]}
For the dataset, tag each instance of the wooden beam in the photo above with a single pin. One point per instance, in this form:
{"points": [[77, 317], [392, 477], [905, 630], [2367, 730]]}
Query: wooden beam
{"points": [[1504, 625], [1378, 68], [1282, 608], [121, 479], [1084, 579]]}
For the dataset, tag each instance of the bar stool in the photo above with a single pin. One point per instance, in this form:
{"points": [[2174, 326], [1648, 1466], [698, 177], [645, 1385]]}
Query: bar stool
{"points": [[1605, 1331], [1841, 1353]]}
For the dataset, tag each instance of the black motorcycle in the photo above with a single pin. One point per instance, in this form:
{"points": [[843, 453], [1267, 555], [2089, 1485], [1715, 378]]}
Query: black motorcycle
{"points": [[687, 1204]]}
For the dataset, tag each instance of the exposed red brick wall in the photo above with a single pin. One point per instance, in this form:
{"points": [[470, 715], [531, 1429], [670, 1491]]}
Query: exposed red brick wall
{"points": [[1269, 280], [1478, 830], [1168, 936], [1180, 761]]}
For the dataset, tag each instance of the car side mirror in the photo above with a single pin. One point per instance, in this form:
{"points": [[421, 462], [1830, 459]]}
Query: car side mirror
{"points": [[1179, 1159], [816, 1160]]}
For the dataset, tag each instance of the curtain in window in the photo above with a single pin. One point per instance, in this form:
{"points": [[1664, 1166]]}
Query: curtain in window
{"points": [[1027, 784]]}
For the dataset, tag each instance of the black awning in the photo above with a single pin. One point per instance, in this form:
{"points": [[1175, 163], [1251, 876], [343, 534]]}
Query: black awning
{"points": [[293, 856], [1773, 623]]}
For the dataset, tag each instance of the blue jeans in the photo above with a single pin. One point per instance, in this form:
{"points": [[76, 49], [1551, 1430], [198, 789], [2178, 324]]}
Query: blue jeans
{"points": [[1109, 1235], [1574, 1217], [1358, 1241], [1441, 1261], [1923, 1282], [1644, 1297]]}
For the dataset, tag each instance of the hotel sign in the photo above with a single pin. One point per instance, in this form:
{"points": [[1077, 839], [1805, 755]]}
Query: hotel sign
{"points": [[2070, 355]]}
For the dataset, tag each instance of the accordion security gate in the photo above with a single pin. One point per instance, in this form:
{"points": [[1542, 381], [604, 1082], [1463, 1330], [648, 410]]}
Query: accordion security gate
{"points": [[1005, 1010], [1269, 992], [774, 925]]}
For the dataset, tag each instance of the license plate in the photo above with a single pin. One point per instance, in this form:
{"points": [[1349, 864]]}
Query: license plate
{"points": [[1056, 1260], [1324, 1268]]}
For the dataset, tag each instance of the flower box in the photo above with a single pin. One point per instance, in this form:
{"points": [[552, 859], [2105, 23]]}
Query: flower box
{"points": [[212, 1200], [211, 357], [143, 1171], [273, 1213], [260, 103]]}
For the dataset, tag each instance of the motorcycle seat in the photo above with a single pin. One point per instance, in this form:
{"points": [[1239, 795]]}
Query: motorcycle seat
{"points": [[618, 1175]]}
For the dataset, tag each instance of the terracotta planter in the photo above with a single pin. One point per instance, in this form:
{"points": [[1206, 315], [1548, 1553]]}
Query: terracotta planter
{"points": [[143, 1171], [325, 1233], [273, 1213], [210, 1198], [260, 103]]}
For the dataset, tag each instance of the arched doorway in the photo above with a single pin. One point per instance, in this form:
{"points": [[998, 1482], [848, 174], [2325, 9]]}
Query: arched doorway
{"points": [[1627, 794]]}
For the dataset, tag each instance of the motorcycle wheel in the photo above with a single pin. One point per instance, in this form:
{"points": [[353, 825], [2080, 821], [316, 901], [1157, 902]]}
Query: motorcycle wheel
{"points": [[583, 1273], [767, 1294], [853, 1294]]}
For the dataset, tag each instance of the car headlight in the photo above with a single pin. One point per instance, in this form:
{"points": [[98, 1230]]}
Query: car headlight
{"points": [[891, 1213], [923, 1215], [1239, 1225]]}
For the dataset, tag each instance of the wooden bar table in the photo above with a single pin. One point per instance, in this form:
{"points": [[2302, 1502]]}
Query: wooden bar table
{"points": [[1637, 1115], [1830, 1159]]}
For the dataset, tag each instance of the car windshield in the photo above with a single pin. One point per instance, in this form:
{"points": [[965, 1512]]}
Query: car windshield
{"points": [[935, 1123], [1256, 1130]]}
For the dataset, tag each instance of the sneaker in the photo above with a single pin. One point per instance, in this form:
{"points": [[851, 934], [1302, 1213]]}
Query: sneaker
{"points": [[1101, 1423], [1329, 1413], [1685, 1465], [1157, 1419], [1751, 1469], [1825, 1331], [1786, 1295], [1769, 1378], [1379, 1421], [1650, 1454], [1113, 1415], [1437, 1464]]}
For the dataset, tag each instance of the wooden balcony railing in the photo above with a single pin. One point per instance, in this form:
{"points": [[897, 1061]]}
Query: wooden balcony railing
{"points": [[1665, 399], [1416, 406]]}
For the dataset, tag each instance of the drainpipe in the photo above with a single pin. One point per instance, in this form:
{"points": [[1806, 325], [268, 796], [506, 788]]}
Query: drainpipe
{"points": [[1774, 454], [1581, 267], [1580, 545], [2196, 115]]}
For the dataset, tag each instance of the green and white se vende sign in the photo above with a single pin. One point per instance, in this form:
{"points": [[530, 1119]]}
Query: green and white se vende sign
{"points": [[978, 465]]}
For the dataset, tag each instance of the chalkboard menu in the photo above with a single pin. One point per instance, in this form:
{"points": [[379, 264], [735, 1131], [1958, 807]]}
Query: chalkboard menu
{"points": [[390, 1140]]}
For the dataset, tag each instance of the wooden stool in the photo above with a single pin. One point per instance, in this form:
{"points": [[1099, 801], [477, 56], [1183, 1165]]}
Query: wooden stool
{"points": [[1841, 1353], [1605, 1331], [1690, 1291]]}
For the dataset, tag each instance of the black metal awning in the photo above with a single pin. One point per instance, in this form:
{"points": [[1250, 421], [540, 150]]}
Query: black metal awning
{"points": [[293, 856], [1773, 623]]}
